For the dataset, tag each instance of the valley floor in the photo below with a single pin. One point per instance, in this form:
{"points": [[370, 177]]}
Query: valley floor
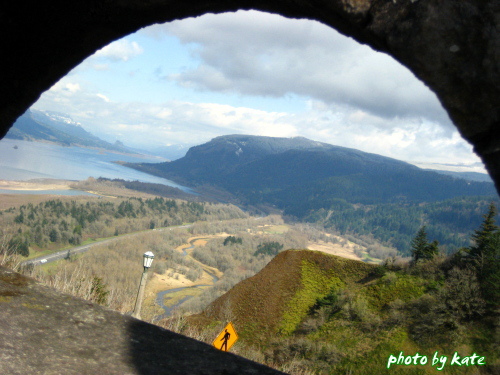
{"points": [[169, 280]]}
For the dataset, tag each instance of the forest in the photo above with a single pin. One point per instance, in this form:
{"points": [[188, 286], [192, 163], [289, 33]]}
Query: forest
{"points": [[449, 222], [57, 222]]}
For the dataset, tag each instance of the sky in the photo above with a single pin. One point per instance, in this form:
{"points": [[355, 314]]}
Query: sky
{"points": [[188, 81]]}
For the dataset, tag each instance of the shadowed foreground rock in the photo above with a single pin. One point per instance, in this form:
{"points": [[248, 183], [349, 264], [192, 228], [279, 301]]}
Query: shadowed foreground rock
{"points": [[46, 332]]}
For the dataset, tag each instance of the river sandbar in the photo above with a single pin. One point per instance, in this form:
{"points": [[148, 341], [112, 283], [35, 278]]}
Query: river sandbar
{"points": [[36, 184]]}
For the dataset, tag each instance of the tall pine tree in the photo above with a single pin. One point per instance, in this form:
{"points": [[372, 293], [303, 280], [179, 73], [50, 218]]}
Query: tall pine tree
{"points": [[485, 256], [483, 237], [421, 248]]}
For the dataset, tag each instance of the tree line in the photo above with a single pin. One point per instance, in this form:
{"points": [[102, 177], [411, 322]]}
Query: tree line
{"points": [[57, 222], [450, 222], [482, 257]]}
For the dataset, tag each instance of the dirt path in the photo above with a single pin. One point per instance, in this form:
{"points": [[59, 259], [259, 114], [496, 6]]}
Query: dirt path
{"points": [[197, 242]]}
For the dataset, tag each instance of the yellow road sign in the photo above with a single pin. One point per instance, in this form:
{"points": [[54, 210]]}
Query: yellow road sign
{"points": [[226, 338]]}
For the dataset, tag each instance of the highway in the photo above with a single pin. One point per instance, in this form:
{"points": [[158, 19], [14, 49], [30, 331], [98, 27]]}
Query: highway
{"points": [[83, 248]]}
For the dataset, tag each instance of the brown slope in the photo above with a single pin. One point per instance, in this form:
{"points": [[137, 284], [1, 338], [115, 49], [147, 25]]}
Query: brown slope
{"points": [[257, 304]]}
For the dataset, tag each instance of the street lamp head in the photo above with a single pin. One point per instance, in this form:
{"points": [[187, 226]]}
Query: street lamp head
{"points": [[148, 259]]}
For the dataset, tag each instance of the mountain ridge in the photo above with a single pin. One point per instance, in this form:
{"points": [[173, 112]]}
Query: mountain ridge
{"points": [[236, 150], [261, 169], [58, 128]]}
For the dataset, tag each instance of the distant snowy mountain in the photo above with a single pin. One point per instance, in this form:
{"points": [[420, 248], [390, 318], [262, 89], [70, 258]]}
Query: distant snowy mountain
{"points": [[60, 129]]}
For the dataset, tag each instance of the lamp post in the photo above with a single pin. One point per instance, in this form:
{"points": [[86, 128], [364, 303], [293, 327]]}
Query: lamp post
{"points": [[147, 261]]}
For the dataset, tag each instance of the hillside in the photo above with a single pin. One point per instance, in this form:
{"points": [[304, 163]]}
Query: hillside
{"points": [[297, 174], [472, 176], [334, 315], [278, 297], [347, 190], [58, 128]]}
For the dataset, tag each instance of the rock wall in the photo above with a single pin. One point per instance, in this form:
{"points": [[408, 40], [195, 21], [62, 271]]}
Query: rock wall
{"points": [[453, 46], [46, 332]]}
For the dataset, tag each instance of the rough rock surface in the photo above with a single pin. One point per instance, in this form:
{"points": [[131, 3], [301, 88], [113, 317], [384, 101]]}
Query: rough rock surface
{"points": [[46, 332]]}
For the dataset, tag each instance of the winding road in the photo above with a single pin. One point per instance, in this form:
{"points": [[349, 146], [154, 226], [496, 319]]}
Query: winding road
{"points": [[160, 298], [83, 248]]}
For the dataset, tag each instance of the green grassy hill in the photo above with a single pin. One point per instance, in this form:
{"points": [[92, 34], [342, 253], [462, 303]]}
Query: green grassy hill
{"points": [[335, 315], [278, 297]]}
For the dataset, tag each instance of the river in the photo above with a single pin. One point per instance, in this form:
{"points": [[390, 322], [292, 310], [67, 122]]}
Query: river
{"points": [[23, 160], [160, 296]]}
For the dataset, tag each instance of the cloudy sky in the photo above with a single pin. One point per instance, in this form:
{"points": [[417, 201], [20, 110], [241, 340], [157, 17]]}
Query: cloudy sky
{"points": [[189, 81]]}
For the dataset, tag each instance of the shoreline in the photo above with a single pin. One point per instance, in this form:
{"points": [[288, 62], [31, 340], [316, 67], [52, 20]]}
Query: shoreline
{"points": [[36, 184]]}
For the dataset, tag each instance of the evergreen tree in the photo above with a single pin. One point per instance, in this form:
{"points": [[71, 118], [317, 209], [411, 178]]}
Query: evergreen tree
{"points": [[54, 235], [483, 237], [485, 256], [19, 245], [98, 292], [232, 240], [431, 250], [421, 248], [269, 248], [490, 275]]}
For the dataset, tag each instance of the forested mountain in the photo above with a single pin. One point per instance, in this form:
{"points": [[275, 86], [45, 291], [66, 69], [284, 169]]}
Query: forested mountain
{"points": [[57, 128], [217, 160], [473, 176], [297, 174], [450, 222], [349, 190]]}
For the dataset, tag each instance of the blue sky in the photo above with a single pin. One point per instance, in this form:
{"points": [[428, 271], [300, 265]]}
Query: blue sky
{"points": [[189, 81]]}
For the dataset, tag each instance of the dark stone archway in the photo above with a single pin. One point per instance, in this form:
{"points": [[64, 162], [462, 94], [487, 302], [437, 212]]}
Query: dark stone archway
{"points": [[453, 46]]}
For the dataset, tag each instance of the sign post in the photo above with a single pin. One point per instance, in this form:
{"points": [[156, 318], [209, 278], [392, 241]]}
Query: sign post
{"points": [[226, 338]]}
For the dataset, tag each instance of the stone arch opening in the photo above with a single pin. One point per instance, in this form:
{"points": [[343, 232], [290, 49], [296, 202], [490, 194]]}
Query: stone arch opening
{"points": [[451, 46]]}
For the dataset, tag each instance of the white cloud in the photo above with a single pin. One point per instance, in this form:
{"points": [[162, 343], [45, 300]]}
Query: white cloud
{"points": [[65, 88], [355, 97], [181, 122], [120, 50], [100, 67], [253, 53], [103, 97]]}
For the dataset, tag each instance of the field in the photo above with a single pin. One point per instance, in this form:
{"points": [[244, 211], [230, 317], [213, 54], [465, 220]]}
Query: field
{"points": [[38, 184], [344, 250]]}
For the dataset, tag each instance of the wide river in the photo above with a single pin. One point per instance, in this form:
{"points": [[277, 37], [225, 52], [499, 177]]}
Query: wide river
{"points": [[23, 160]]}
